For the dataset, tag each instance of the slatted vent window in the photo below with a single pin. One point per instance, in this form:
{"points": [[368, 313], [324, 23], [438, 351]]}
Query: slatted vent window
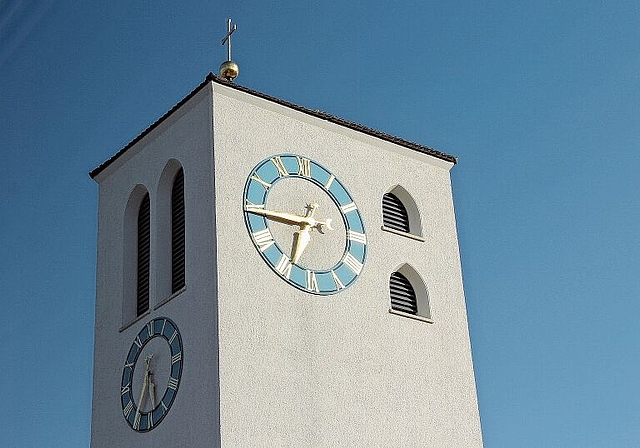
{"points": [[403, 297], [177, 233], [394, 214], [144, 248]]}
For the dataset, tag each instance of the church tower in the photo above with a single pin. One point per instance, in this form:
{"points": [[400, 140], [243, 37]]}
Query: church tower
{"points": [[269, 275]]}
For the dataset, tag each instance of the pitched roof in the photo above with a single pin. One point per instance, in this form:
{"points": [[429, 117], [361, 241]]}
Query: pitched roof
{"points": [[211, 77]]}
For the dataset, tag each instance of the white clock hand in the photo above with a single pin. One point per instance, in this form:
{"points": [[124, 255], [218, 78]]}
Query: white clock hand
{"points": [[300, 240], [152, 391], [292, 219], [144, 389]]}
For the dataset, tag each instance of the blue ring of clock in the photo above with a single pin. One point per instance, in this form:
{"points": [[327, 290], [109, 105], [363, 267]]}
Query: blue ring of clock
{"points": [[322, 282]]}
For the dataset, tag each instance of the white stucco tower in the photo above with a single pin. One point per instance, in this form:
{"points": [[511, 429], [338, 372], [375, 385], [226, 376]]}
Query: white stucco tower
{"points": [[269, 275]]}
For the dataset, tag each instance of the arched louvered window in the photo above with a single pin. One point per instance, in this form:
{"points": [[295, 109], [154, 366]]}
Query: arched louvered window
{"points": [[144, 252], [394, 213], [403, 297], [177, 232]]}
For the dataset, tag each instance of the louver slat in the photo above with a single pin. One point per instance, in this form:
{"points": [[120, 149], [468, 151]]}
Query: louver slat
{"points": [[144, 252], [177, 233], [394, 214], [403, 297]]}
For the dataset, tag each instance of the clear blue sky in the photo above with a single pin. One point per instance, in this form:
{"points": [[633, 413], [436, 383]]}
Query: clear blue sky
{"points": [[540, 100]]}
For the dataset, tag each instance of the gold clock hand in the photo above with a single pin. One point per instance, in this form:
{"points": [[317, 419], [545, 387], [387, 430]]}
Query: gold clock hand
{"points": [[300, 240], [292, 219], [144, 389], [152, 391]]}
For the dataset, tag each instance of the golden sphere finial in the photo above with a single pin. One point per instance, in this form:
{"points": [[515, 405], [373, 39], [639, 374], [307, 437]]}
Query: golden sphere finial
{"points": [[229, 70]]}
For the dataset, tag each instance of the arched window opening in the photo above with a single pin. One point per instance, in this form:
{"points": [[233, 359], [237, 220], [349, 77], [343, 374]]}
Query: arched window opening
{"points": [[170, 231], [177, 233], [143, 255], [394, 213], [400, 214], [403, 297], [408, 293]]}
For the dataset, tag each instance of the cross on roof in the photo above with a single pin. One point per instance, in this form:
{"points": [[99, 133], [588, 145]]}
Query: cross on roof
{"points": [[227, 37]]}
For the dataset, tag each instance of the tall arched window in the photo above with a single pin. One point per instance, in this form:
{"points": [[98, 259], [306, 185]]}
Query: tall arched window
{"points": [[169, 217], [177, 233], [143, 256]]}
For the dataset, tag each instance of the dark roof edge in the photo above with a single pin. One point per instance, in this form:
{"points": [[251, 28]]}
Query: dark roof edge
{"points": [[315, 113], [154, 125]]}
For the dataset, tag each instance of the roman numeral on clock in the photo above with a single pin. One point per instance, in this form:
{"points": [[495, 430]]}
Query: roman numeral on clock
{"points": [[127, 409], [263, 239], [348, 207], [312, 282], [282, 170], [304, 166], [173, 383], [357, 237], [284, 266], [352, 263], [258, 179], [337, 280]]}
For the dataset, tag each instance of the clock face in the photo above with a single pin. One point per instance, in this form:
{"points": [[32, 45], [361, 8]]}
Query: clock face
{"points": [[305, 224], [151, 374]]}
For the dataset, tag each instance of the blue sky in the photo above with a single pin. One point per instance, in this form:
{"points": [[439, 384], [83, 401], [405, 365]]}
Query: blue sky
{"points": [[539, 100]]}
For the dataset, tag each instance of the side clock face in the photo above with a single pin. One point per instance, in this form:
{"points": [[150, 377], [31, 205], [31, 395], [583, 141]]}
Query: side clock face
{"points": [[151, 374], [305, 224]]}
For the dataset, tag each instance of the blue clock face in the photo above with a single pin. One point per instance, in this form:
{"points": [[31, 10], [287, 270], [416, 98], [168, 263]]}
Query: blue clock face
{"points": [[305, 224], [151, 374]]}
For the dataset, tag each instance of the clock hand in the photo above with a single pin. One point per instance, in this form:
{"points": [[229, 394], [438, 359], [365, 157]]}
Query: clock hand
{"points": [[300, 240], [149, 378], [144, 389], [145, 384], [152, 391], [293, 219]]}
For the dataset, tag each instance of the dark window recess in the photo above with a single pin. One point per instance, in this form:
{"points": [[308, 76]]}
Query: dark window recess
{"points": [[403, 297], [394, 214], [177, 232], [144, 247]]}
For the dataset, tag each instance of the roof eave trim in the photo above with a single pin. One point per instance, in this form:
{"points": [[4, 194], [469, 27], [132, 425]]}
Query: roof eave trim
{"points": [[211, 77]]}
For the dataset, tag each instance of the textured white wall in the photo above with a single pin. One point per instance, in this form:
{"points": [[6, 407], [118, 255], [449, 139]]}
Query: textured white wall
{"points": [[303, 370]]}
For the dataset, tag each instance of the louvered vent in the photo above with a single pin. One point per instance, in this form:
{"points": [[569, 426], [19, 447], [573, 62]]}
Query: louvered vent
{"points": [[144, 246], [403, 297], [177, 232], [394, 214]]}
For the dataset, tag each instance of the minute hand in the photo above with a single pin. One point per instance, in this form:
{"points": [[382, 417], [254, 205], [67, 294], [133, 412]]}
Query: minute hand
{"points": [[292, 219]]}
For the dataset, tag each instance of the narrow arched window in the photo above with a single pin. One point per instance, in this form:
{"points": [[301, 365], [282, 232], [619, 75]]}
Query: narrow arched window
{"points": [[403, 297], [144, 252], [177, 233], [394, 213]]}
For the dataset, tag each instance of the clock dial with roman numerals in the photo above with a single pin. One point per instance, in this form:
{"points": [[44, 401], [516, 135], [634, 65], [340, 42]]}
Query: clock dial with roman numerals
{"points": [[151, 374], [304, 224]]}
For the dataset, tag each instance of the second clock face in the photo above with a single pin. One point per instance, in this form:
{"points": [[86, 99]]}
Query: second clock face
{"points": [[305, 224], [151, 374]]}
